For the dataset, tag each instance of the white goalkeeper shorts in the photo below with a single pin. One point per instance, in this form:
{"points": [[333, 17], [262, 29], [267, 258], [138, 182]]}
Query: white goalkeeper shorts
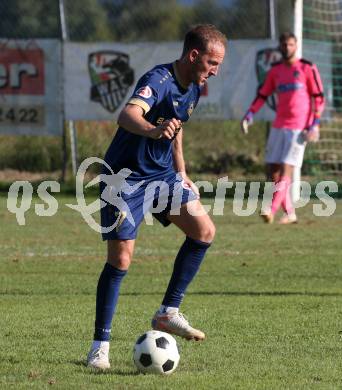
{"points": [[285, 146]]}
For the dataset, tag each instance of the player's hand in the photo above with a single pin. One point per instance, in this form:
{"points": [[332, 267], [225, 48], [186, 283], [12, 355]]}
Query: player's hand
{"points": [[187, 182], [246, 122], [168, 129], [312, 133]]}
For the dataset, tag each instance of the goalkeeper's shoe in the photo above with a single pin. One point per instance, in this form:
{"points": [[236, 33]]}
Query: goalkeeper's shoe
{"points": [[175, 323], [98, 357], [288, 219], [267, 217]]}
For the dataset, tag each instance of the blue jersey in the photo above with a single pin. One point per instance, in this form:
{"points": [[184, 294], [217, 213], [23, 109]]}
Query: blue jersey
{"points": [[162, 97]]}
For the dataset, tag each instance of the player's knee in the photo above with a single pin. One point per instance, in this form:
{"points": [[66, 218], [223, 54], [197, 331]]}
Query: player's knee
{"points": [[120, 253], [121, 261], [211, 232], [207, 232]]}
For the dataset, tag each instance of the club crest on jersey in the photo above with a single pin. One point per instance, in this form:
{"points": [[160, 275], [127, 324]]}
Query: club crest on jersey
{"points": [[191, 108], [145, 92], [111, 77], [263, 63]]}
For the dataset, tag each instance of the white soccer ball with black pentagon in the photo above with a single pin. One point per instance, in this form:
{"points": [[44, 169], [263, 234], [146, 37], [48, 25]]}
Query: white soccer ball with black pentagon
{"points": [[156, 353]]}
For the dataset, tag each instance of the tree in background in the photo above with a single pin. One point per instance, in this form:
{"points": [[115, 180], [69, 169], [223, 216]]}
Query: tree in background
{"points": [[238, 19], [87, 20], [137, 20], [29, 19], [144, 20]]}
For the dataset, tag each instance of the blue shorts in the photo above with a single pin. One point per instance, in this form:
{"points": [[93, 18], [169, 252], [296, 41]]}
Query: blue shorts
{"points": [[122, 212]]}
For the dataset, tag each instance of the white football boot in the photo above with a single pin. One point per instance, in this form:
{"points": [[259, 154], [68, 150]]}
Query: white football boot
{"points": [[98, 357], [288, 219], [174, 322]]}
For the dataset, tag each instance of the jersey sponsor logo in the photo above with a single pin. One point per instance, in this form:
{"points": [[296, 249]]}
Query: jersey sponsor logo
{"points": [[263, 63], [289, 87], [145, 92], [111, 77]]}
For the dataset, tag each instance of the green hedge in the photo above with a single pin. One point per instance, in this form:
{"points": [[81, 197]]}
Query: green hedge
{"points": [[209, 147]]}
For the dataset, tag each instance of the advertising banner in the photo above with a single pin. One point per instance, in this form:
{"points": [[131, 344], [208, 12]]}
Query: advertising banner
{"points": [[99, 78], [30, 87]]}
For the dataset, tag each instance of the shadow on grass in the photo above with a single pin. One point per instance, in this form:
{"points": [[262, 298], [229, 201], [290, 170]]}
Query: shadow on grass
{"points": [[93, 371]]}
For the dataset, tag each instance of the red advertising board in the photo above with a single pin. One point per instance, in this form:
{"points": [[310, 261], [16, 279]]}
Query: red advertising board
{"points": [[21, 71], [30, 87]]}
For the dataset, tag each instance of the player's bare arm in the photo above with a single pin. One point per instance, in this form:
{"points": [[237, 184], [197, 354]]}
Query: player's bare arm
{"points": [[132, 119], [179, 163], [177, 153]]}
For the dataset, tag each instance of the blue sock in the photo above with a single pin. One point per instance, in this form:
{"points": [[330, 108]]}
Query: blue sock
{"points": [[186, 265], [106, 299]]}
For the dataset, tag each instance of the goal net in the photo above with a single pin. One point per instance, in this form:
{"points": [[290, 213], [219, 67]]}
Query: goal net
{"points": [[322, 43]]}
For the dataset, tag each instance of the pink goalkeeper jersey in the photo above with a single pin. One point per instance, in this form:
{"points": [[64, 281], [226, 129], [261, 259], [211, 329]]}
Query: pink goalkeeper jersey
{"points": [[299, 92]]}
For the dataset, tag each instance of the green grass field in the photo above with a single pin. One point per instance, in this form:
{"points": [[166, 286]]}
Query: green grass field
{"points": [[269, 299]]}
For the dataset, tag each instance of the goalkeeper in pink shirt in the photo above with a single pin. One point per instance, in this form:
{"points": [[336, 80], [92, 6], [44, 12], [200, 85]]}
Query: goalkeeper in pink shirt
{"points": [[300, 102]]}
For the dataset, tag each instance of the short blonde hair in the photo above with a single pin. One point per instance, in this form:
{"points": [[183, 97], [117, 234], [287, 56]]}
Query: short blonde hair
{"points": [[200, 36]]}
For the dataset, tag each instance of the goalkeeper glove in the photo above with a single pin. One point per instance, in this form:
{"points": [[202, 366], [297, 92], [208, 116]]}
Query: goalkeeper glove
{"points": [[246, 122], [312, 133]]}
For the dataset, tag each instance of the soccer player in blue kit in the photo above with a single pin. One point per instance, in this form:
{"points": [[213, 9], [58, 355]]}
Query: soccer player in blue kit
{"points": [[149, 143]]}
